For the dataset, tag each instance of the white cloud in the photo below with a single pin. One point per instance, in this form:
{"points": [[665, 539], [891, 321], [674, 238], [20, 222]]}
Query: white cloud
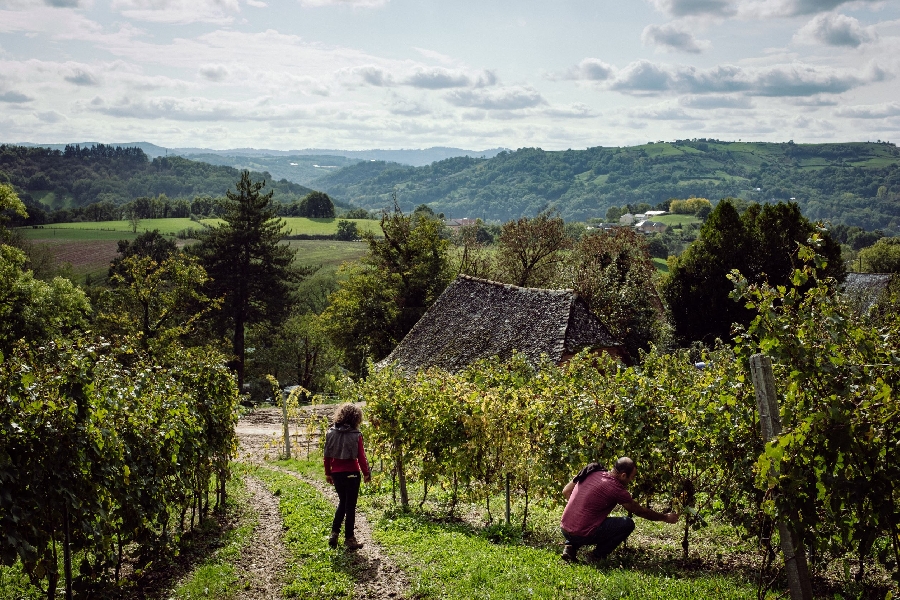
{"points": [[572, 111], [349, 3], [82, 77], [589, 69], [673, 37], [511, 98], [871, 111], [178, 11], [716, 101], [50, 116], [15, 97], [214, 72], [199, 109], [643, 77], [662, 112], [750, 9], [835, 30]]}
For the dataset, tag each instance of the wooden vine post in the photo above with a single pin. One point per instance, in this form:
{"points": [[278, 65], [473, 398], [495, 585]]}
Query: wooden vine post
{"points": [[287, 432], [770, 424]]}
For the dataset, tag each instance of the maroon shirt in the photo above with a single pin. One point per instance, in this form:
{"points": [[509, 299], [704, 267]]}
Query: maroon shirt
{"points": [[337, 465], [591, 502]]}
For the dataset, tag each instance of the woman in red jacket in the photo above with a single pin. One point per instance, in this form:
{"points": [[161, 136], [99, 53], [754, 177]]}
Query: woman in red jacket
{"points": [[345, 457]]}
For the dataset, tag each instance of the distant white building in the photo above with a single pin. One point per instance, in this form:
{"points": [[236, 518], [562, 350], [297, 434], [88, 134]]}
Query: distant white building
{"points": [[627, 219], [650, 226], [655, 213]]}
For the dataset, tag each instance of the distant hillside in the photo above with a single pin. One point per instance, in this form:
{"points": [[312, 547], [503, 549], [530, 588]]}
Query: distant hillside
{"points": [[238, 157], [76, 176], [298, 169], [850, 183]]}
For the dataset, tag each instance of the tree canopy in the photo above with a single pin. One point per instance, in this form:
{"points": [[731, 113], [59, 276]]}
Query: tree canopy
{"points": [[379, 301], [762, 244], [248, 267]]}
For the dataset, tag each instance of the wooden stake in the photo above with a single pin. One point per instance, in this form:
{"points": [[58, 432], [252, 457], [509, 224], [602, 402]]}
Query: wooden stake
{"points": [[770, 425]]}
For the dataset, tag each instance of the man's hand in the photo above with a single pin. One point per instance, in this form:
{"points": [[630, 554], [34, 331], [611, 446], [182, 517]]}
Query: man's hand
{"points": [[367, 478], [671, 517], [329, 479]]}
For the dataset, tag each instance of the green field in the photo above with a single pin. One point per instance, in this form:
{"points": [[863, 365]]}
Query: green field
{"points": [[328, 253], [295, 226], [304, 226], [165, 226], [673, 219], [89, 247]]}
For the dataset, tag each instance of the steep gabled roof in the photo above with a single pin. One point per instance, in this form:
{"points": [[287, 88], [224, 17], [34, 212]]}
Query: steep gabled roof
{"points": [[476, 318], [864, 289]]}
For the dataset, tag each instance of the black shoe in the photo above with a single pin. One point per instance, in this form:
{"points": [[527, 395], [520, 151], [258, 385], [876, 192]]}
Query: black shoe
{"points": [[570, 554], [332, 539]]}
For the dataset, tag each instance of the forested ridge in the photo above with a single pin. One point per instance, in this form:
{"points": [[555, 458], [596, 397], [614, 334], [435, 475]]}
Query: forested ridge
{"points": [[78, 176], [850, 183]]}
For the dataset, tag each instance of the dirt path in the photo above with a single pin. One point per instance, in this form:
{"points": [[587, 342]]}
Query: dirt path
{"points": [[379, 579], [261, 566]]}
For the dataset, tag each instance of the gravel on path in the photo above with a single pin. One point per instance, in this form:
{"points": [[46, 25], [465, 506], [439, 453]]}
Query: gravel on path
{"points": [[380, 578], [261, 566]]}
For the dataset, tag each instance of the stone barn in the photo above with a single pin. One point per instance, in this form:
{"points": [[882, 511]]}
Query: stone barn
{"points": [[476, 318]]}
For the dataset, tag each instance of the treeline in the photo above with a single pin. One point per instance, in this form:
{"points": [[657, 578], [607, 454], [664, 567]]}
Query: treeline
{"points": [[314, 205], [854, 184], [79, 176]]}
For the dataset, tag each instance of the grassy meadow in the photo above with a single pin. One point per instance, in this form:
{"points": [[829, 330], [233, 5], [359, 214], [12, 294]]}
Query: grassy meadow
{"points": [[88, 248]]}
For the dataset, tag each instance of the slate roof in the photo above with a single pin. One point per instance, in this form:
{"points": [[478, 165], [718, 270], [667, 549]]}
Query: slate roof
{"points": [[864, 289], [476, 318]]}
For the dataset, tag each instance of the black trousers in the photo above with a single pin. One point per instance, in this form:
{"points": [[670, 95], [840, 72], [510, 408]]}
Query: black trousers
{"points": [[347, 487]]}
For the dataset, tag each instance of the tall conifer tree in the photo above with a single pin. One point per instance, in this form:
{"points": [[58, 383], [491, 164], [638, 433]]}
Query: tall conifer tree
{"points": [[249, 268]]}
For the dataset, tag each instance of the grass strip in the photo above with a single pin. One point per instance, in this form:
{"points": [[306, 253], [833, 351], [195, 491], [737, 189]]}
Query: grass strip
{"points": [[449, 561], [314, 570], [216, 577], [455, 560]]}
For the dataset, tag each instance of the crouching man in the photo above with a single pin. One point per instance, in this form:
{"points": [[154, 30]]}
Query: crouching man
{"points": [[592, 495]]}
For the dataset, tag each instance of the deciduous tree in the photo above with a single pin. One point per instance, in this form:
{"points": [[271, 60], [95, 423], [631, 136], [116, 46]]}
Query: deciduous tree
{"points": [[762, 244], [402, 274], [530, 250]]}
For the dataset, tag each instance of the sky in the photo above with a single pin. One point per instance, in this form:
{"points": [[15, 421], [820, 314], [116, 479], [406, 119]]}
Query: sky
{"points": [[473, 74]]}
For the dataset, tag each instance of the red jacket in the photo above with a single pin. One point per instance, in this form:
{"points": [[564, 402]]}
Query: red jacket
{"points": [[337, 465]]}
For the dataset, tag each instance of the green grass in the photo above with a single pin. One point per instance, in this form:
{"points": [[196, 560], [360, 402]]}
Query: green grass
{"points": [[15, 585], [661, 265], [673, 219], [216, 577], [53, 234], [452, 561], [304, 226], [446, 557], [327, 252], [314, 570], [165, 226]]}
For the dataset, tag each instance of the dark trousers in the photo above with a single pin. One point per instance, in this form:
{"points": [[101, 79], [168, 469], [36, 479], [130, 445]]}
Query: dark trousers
{"points": [[611, 532], [347, 487]]}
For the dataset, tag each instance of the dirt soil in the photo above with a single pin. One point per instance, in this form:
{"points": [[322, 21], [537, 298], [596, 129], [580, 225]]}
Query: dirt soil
{"points": [[379, 578], [261, 566]]}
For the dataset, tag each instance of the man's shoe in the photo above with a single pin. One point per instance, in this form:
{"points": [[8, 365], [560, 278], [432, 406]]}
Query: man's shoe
{"points": [[332, 539], [570, 554], [351, 544], [594, 556]]}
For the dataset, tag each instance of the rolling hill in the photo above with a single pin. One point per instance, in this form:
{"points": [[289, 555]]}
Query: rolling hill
{"points": [[850, 183]]}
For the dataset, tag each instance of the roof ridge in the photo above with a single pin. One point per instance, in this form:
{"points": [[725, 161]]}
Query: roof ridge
{"points": [[512, 285]]}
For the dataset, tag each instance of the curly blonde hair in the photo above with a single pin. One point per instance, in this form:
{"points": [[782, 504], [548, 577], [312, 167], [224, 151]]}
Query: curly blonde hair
{"points": [[347, 414]]}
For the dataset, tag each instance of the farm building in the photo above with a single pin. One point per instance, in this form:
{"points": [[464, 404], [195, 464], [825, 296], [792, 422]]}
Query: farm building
{"points": [[476, 318], [863, 290]]}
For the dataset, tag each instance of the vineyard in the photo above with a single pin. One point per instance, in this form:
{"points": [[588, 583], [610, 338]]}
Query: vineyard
{"points": [[107, 458], [498, 428]]}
